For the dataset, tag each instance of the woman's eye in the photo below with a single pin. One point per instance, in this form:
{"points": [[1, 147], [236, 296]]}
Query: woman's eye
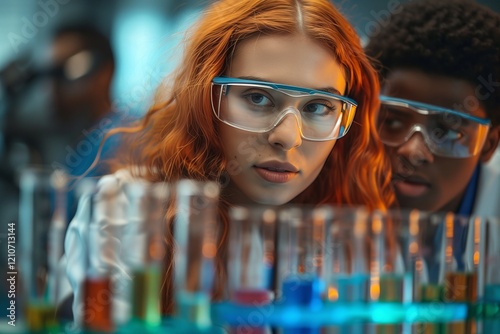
{"points": [[258, 99], [319, 108]]}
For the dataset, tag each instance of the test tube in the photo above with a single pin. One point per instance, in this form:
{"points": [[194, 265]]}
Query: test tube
{"points": [[489, 292], [252, 259], [145, 250], [347, 263], [426, 265], [98, 288], [42, 218], [302, 234], [444, 272], [394, 235], [460, 276], [196, 236]]}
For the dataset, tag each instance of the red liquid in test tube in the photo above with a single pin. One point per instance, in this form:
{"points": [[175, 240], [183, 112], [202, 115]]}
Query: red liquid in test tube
{"points": [[251, 297]]}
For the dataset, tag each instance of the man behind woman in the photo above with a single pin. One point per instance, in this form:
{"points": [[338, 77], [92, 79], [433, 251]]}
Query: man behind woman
{"points": [[439, 65]]}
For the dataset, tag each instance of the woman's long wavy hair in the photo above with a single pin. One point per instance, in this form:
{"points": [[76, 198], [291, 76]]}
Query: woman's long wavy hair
{"points": [[178, 137]]}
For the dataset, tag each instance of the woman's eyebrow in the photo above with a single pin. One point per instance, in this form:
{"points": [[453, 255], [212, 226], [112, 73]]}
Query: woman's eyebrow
{"points": [[330, 90]]}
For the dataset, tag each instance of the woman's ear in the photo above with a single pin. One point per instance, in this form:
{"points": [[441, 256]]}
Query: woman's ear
{"points": [[490, 144]]}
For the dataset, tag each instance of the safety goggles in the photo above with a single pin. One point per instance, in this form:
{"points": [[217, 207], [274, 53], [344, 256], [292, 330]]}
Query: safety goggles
{"points": [[80, 65], [258, 106], [446, 132]]}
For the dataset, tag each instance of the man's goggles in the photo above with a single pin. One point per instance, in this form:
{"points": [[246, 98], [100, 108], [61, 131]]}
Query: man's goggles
{"points": [[446, 132], [259, 106]]}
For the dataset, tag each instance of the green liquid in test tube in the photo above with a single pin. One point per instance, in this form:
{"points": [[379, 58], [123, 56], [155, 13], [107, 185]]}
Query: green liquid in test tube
{"points": [[491, 263], [41, 317], [42, 224], [431, 293], [194, 308], [391, 290], [491, 308], [145, 296], [144, 234]]}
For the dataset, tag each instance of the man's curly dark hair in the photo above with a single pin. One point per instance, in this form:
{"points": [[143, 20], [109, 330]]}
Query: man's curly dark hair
{"points": [[456, 38]]}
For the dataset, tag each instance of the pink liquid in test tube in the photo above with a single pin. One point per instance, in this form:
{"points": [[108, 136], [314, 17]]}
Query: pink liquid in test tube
{"points": [[251, 297]]}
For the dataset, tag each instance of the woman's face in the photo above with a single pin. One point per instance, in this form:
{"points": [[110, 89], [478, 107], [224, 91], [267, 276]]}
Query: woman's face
{"points": [[274, 167]]}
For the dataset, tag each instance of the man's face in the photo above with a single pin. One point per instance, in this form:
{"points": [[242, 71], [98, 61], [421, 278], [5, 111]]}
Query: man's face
{"points": [[72, 91], [424, 180]]}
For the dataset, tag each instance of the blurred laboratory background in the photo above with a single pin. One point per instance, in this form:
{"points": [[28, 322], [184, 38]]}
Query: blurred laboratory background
{"points": [[59, 93], [70, 70]]}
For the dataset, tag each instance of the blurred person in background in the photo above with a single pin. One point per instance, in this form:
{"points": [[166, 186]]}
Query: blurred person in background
{"points": [[74, 73], [439, 66], [81, 66]]}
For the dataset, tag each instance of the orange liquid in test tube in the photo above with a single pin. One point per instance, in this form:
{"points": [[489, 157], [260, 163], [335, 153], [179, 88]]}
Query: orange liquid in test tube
{"points": [[97, 309]]}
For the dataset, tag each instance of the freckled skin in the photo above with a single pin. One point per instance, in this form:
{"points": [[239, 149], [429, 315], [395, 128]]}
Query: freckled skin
{"points": [[292, 60]]}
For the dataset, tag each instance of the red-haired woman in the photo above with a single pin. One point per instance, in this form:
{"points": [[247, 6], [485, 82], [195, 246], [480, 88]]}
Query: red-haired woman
{"points": [[276, 101]]}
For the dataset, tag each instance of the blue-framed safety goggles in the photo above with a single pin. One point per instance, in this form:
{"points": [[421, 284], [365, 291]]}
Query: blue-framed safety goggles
{"points": [[446, 132], [259, 106]]}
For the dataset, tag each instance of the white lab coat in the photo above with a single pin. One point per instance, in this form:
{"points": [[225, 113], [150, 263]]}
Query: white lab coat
{"points": [[108, 254], [488, 191]]}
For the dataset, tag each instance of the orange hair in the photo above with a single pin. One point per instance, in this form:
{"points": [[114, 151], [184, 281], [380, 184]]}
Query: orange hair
{"points": [[178, 137]]}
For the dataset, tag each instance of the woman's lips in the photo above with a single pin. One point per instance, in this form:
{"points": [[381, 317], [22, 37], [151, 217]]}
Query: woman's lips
{"points": [[276, 172]]}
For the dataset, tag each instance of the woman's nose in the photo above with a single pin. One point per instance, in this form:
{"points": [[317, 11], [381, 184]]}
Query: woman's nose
{"points": [[287, 134]]}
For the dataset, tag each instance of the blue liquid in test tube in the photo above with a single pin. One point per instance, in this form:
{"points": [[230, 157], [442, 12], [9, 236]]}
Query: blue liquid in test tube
{"points": [[350, 289], [304, 291]]}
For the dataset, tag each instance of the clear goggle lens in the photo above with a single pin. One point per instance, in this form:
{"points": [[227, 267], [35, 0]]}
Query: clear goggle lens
{"points": [[446, 132], [259, 107]]}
